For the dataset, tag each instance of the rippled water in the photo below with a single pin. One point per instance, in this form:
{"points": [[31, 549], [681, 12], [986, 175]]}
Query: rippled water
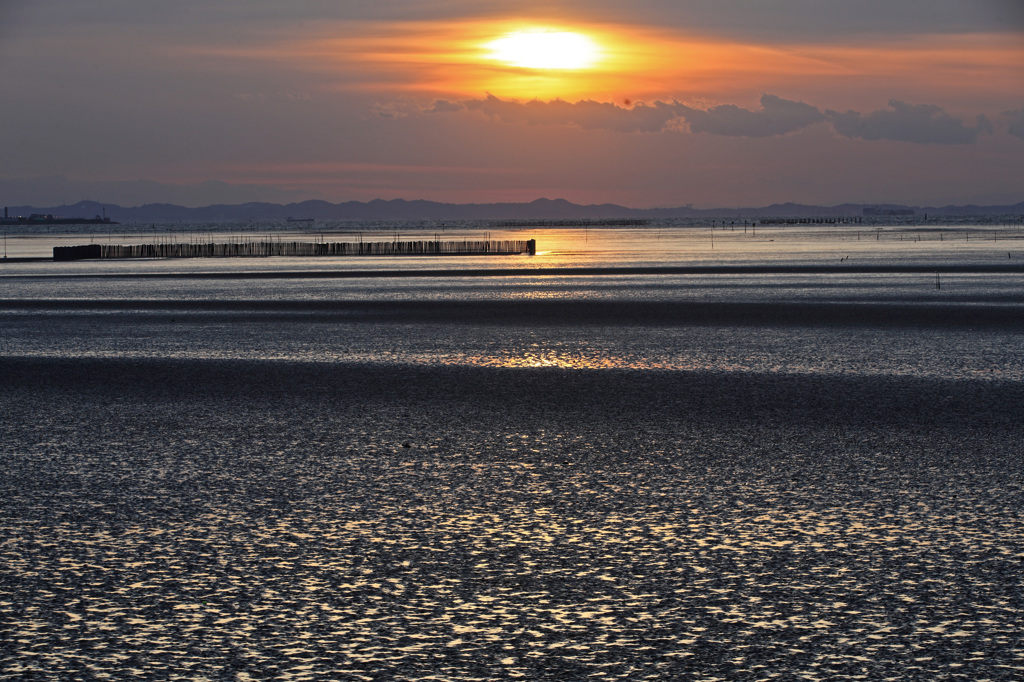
{"points": [[913, 352], [745, 476]]}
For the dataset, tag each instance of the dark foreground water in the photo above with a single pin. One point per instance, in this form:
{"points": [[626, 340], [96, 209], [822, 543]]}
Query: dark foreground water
{"points": [[265, 470], [211, 519]]}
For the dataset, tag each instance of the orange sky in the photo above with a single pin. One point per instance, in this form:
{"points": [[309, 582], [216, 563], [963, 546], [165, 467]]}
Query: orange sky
{"points": [[641, 63], [704, 102]]}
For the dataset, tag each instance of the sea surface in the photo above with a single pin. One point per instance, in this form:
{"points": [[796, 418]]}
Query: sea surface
{"points": [[646, 453]]}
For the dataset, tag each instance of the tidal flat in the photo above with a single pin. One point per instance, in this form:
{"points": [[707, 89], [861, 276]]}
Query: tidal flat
{"points": [[233, 519], [631, 478]]}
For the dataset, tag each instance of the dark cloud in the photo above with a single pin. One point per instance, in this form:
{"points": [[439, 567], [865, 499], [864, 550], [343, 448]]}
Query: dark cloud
{"points": [[777, 116], [442, 106], [1016, 122], [812, 20], [778, 19], [587, 114], [920, 123]]}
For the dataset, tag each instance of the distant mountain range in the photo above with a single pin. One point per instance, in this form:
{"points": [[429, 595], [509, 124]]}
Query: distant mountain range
{"points": [[403, 210]]}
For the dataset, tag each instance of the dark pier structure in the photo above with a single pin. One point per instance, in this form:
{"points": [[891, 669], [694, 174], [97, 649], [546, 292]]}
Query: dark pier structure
{"points": [[843, 220], [277, 248]]}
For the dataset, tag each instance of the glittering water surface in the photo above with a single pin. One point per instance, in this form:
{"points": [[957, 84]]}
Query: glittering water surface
{"points": [[746, 476]]}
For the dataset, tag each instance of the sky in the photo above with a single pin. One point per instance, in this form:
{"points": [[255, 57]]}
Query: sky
{"points": [[651, 103]]}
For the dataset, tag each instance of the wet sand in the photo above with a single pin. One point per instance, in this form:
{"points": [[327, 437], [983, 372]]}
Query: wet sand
{"points": [[234, 519], [1000, 312]]}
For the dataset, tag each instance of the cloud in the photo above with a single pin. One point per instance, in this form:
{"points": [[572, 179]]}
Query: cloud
{"points": [[782, 18], [587, 114], [444, 106], [921, 123], [393, 110], [777, 116], [1016, 119]]}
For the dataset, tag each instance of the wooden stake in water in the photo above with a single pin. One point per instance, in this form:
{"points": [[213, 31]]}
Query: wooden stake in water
{"points": [[937, 285]]}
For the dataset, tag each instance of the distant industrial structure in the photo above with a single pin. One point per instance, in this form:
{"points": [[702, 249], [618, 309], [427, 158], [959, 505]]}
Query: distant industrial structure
{"points": [[50, 219]]}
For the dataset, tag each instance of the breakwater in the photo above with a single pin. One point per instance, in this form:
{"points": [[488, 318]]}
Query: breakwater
{"points": [[847, 220], [279, 248]]}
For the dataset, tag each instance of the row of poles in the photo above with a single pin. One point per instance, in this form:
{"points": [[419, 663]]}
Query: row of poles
{"points": [[277, 248]]}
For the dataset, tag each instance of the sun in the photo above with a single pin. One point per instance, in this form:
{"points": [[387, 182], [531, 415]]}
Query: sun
{"points": [[544, 49]]}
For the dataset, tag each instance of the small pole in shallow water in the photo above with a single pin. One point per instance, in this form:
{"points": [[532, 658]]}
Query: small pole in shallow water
{"points": [[937, 285]]}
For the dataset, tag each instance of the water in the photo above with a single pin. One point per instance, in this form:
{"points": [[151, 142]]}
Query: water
{"points": [[836, 322], [250, 469]]}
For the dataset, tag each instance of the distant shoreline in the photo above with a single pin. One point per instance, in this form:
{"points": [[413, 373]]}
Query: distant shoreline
{"points": [[497, 215]]}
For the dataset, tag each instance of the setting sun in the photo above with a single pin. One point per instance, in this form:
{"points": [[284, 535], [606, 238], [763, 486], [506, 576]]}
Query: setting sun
{"points": [[544, 49]]}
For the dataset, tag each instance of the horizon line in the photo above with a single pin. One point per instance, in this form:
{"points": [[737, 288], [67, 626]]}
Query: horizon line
{"points": [[557, 200]]}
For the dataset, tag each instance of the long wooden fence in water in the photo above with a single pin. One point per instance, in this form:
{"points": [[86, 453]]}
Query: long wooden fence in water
{"points": [[277, 248]]}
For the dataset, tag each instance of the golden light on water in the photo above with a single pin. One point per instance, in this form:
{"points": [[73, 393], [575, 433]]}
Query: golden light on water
{"points": [[544, 49]]}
